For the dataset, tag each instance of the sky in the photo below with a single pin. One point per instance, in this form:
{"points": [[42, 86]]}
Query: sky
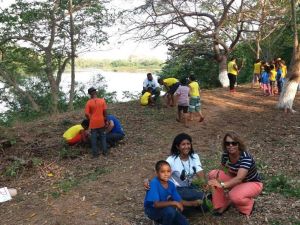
{"points": [[115, 50]]}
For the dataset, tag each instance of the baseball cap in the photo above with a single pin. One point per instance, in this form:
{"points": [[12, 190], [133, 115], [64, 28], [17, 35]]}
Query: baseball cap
{"points": [[91, 90]]}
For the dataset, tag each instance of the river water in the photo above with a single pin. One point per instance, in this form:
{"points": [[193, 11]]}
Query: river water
{"points": [[115, 81]]}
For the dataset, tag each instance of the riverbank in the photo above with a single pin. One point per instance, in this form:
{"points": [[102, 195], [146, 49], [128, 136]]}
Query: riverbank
{"points": [[134, 65]]}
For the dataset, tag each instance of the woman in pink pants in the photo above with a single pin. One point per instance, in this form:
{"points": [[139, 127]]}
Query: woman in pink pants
{"points": [[241, 181]]}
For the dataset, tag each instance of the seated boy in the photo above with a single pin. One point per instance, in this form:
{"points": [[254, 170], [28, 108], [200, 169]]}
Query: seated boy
{"points": [[77, 133], [162, 202]]}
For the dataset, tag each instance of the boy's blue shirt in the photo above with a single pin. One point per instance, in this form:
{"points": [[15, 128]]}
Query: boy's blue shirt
{"points": [[117, 125], [278, 75], [158, 193], [265, 78]]}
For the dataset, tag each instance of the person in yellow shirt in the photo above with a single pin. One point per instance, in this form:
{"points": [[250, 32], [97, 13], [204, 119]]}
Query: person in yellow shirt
{"points": [[257, 72], [284, 71], [171, 84], [195, 101], [272, 79], [77, 133], [146, 98], [232, 74]]}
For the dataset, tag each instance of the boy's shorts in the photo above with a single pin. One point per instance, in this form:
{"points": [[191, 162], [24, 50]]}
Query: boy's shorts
{"points": [[183, 108], [256, 77], [272, 83], [195, 104]]}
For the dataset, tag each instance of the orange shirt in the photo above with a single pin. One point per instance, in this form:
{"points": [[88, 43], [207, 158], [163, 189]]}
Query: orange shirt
{"points": [[94, 110]]}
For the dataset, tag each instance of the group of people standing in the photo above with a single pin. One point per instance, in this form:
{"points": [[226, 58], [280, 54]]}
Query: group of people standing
{"points": [[185, 93], [270, 75], [172, 192]]}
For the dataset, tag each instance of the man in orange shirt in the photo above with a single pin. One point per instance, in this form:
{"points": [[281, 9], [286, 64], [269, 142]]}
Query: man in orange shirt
{"points": [[95, 111]]}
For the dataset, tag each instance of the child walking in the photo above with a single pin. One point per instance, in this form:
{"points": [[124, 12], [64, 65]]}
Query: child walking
{"points": [[182, 97], [162, 202], [265, 80], [195, 101]]}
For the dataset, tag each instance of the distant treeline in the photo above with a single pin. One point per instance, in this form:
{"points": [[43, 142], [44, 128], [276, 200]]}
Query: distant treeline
{"points": [[124, 65]]}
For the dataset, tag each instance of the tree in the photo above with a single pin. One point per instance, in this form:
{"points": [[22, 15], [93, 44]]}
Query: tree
{"points": [[44, 27], [220, 22], [289, 91], [12, 58], [265, 18], [72, 33]]}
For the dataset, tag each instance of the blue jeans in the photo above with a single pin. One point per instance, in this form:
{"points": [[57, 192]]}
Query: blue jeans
{"points": [[192, 193], [113, 138], [166, 216], [97, 135]]}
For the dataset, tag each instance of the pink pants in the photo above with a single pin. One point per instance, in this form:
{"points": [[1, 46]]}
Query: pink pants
{"points": [[266, 88], [241, 195]]}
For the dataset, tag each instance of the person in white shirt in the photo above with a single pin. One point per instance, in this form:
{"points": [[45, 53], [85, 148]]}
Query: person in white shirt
{"points": [[149, 82], [185, 165]]}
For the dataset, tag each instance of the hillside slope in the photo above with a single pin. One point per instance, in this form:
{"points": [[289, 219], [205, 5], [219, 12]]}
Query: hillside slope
{"points": [[62, 186]]}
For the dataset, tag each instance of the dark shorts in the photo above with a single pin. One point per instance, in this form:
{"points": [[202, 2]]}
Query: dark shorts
{"points": [[272, 83], [183, 108], [256, 77], [173, 88]]}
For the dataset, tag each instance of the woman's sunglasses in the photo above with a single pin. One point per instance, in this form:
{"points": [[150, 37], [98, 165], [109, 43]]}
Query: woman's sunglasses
{"points": [[233, 143]]}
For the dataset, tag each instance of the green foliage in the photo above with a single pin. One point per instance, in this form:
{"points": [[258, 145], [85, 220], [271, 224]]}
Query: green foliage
{"points": [[37, 161], [283, 185], [131, 96], [129, 65], [199, 182], [186, 61], [38, 88], [71, 182], [67, 184], [245, 60], [69, 153], [55, 194], [96, 173], [13, 169]]}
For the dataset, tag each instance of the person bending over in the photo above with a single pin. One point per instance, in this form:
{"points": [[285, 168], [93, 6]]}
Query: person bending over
{"points": [[77, 133], [114, 131]]}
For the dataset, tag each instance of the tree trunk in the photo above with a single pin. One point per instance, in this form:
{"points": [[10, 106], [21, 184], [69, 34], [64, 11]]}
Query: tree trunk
{"points": [[289, 91], [223, 77], [19, 90], [54, 88], [72, 89], [258, 49]]}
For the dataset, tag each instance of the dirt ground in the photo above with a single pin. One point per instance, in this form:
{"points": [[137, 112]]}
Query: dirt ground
{"points": [[109, 190]]}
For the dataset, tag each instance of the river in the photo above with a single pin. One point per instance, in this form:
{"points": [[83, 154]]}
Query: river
{"points": [[115, 81]]}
